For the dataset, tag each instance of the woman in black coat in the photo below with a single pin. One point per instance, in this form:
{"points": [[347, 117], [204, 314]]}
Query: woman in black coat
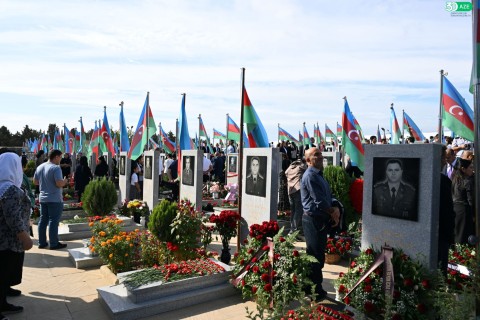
{"points": [[82, 177], [463, 203]]}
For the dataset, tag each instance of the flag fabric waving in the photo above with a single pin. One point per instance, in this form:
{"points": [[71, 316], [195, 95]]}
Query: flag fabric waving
{"points": [[351, 138], [456, 114], [106, 143], [146, 124], [412, 128], [257, 136], [168, 145], [68, 136], [317, 134], [93, 147], [233, 131], [183, 136], [379, 136], [83, 138], [306, 136], [203, 133], [218, 135], [124, 141], [284, 135], [394, 127]]}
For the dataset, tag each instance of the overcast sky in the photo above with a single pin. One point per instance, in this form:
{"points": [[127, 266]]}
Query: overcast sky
{"points": [[60, 60]]}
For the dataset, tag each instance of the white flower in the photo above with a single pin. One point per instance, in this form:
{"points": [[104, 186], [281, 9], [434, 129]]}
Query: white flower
{"points": [[76, 217]]}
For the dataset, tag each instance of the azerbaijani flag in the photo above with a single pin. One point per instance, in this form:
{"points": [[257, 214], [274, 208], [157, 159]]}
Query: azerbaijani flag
{"points": [[359, 129], [124, 142], [456, 114], [218, 135], [306, 136], [329, 133], [412, 128], [68, 139], [300, 137], [317, 134], [394, 128], [93, 147], [351, 138], [140, 138], [154, 144], [83, 137], [203, 133], [233, 131], [257, 136], [169, 145], [184, 139], [284, 135], [106, 143]]}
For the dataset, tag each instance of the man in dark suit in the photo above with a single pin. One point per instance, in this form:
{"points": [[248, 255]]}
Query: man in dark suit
{"points": [[394, 197], [187, 174], [255, 184]]}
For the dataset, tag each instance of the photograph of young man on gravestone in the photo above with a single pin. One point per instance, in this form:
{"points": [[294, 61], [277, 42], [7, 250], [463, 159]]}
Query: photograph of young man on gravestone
{"points": [[255, 184], [148, 167], [122, 165], [395, 187], [327, 161], [187, 173], [232, 164]]}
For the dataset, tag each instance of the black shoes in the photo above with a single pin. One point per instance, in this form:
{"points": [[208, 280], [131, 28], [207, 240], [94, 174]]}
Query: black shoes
{"points": [[10, 308], [13, 292], [59, 246]]}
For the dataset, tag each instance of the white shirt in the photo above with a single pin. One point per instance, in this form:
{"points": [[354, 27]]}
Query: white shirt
{"points": [[206, 164], [230, 149], [134, 179], [160, 166], [168, 162]]}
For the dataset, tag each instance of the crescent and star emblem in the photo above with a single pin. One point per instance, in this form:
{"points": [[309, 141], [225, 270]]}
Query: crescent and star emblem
{"points": [[355, 137], [452, 108]]}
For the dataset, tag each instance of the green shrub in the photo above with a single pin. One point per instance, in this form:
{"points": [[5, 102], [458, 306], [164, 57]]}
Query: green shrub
{"points": [[30, 168], [161, 219], [99, 197], [339, 182]]}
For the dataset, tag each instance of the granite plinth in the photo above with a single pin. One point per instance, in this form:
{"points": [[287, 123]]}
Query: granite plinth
{"points": [[82, 258], [119, 301], [77, 231]]}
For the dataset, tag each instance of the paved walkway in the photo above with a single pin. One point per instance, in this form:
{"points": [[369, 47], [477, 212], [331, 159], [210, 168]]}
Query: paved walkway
{"points": [[53, 289]]}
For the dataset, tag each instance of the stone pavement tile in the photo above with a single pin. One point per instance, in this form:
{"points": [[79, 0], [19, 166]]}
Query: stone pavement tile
{"points": [[94, 312], [40, 306]]}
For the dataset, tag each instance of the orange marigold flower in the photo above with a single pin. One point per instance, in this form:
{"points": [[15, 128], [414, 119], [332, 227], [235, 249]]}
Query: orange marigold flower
{"points": [[91, 224], [110, 256], [102, 233]]}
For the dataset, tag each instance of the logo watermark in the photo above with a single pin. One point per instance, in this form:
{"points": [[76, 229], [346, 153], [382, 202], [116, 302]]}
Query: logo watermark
{"points": [[459, 9]]}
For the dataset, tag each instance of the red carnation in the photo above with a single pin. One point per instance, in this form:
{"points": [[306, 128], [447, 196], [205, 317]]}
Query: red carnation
{"points": [[408, 282], [267, 287], [254, 289], [367, 288], [266, 248], [255, 269], [367, 280], [353, 264], [347, 300], [243, 282], [368, 306], [342, 289], [426, 284], [295, 253], [265, 277], [281, 239], [294, 279], [369, 251]]}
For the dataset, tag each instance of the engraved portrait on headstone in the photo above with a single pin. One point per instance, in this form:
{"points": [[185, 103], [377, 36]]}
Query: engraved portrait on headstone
{"points": [[188, 170], [148, 167], [255, 184], [395, 187], [327, 161], [232, 164], [122, 165]]}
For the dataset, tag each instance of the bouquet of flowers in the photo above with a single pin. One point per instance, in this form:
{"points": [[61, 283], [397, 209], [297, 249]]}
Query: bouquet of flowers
{"points": [[226, 225], [464, 255], [282, 277], [356, 195], [412, 295], [340, 245], [215, 187], [138, 207]]}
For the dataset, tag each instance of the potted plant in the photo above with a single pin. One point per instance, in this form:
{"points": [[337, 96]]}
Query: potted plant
{"points": [[214, 190], [137, 209], [226, 225]]}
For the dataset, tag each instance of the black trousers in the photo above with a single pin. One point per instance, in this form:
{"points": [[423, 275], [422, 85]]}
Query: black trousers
{"points": [[11, 268]]}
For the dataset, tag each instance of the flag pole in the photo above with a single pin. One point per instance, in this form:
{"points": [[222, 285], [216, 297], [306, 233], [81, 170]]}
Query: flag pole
{"points": [[278, 133], [147, 111], [226, 135], [440, 111], [403, 127], [476, 119], [199, 130], [240, 160]]}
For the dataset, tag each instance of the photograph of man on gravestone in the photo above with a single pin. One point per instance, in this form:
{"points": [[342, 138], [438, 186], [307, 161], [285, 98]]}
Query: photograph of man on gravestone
{"points": [[395, 187], [255, 184], [187, 172], [148, 167], [122, 165], [232, 164], [327, 161]]}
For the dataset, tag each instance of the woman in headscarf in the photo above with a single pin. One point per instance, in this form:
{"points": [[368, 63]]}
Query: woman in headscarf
{"points": [[101, 170], [83, 175], [14, 227]]}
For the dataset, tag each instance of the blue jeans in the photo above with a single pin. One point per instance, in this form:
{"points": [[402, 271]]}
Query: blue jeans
{"points": [[297, 211], [50, 213], [315, 231]]}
